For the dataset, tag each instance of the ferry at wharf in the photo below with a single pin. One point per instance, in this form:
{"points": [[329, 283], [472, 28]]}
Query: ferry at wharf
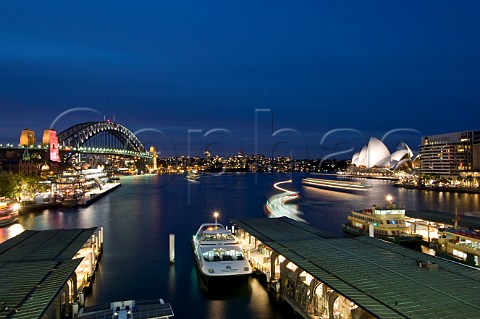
{"points": [[8, 213], [387, 223], [218, 255], [81, 187], [458, 243], [335, 185]]}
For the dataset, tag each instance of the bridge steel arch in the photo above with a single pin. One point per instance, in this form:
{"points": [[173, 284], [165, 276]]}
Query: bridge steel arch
{"points": [[79, 134]]}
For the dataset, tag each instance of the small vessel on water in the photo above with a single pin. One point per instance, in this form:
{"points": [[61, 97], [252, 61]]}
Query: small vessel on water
{"points": [[387, 223], [8, 213], [335, 185], [218, 254], [193, 176]]}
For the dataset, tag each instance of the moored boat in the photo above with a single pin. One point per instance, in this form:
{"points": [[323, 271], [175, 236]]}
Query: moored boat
{"points": [[218, 255], [8, 213], [460, 244], [388, 223]]}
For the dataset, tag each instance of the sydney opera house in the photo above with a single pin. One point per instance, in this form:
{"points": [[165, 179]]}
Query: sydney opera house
{"points": [[376, 155]]}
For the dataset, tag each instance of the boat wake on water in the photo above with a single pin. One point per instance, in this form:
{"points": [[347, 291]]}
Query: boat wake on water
{"points": [[336, 185], [279, 205]]}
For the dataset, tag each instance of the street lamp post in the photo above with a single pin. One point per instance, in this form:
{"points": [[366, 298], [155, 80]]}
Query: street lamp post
{"points": [[389, 199], [215, 214]]}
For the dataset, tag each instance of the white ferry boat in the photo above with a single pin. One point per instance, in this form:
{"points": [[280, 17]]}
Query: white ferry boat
{"points": [[8, 213], [388, 223], [218, 254], [459, 244]]}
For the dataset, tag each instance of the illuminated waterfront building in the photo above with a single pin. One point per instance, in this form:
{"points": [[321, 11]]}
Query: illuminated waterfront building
{"points": [[450, 153], [377, 155]]}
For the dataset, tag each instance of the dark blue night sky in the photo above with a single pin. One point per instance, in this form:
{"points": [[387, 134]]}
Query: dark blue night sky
{"points": [[167, 67]]}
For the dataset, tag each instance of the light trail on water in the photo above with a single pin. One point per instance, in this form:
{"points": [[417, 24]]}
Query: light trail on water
{"points": [[277, 205]]}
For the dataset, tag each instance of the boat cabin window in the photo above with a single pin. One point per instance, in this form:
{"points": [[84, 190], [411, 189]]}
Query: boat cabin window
{"points": [[219, 254], [217, 237]]}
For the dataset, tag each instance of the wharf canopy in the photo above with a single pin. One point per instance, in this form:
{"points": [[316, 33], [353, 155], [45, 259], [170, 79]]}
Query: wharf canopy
{"points": [[38, 272], [361, 277], [376, 154]]}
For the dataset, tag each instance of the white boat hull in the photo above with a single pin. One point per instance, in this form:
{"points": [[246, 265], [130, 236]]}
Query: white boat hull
{"points": [[221, 269], [218, 255]]}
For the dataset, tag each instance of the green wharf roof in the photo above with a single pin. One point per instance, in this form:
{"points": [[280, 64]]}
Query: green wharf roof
{"points": [[382, 278], [34, 266], [34, 245], [28, 288]]}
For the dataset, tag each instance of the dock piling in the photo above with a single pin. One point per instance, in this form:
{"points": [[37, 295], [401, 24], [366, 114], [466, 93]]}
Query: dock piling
{"points": [[371, 230], [172, 248], [81, 299], [101, 235], [90, 265], [75, 309]]}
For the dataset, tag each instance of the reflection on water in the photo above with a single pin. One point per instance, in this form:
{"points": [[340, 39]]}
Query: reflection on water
{"points": [[139, 216], [171, 280], [229, 290], [216, 309], [10, 231]]}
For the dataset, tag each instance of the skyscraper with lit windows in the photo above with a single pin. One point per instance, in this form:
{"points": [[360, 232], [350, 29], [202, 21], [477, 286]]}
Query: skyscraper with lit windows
{"points": [[450, 153]]}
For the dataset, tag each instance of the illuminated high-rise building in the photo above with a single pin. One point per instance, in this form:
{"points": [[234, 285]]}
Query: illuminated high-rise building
{"points": [[27, 138], [450, 153]]}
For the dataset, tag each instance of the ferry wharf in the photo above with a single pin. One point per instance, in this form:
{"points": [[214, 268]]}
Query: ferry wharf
{"points": [[445, 219], [322, 276], [451, 236], [96, 194], [45, 274]]}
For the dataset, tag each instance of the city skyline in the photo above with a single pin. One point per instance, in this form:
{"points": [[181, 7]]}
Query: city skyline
{"points": [[324, 77]]}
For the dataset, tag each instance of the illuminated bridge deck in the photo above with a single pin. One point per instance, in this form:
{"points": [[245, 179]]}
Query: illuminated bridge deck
{"points": [[383, 279]]}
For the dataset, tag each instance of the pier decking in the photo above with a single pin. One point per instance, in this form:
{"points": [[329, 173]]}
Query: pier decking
{"points": [[325, 277], [96, 194]]}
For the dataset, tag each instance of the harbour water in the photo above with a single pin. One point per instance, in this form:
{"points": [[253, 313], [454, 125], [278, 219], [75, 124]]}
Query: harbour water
{"points": [[139, 216]]}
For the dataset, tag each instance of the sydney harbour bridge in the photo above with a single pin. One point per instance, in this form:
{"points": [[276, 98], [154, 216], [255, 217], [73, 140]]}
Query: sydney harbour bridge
{"points": [[84, 139], [102, 138]]}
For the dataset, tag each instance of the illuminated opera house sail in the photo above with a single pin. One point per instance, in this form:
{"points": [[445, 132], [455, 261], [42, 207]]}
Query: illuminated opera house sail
{"points": [[377, 155]]}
